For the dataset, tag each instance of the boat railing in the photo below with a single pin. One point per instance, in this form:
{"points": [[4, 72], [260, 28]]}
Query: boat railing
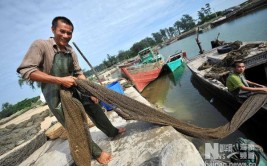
{"points": [[195, 57]]}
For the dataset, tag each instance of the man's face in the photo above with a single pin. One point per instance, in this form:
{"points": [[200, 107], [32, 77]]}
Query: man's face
{"points": [[240, 68], [62, 34]]}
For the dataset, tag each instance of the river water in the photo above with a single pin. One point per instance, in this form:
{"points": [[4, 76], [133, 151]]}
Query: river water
{"points": [[181, 96]]}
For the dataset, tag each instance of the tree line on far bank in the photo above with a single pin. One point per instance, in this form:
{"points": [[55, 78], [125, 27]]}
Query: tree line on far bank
{"points": [[9, 109], [185, 24]]}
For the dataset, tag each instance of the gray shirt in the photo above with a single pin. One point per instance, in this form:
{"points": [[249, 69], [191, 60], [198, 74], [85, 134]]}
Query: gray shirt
{"points": [[40, 56]]}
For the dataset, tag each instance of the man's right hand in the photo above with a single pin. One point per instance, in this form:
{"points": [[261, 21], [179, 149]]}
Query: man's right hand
{"points": [[68, 81]]}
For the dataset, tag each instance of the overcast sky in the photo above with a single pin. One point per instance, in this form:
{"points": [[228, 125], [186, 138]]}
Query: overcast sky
{"points": [[101, 28]]}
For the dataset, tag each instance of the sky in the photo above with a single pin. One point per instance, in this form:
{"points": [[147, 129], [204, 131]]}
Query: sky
{"points": [[100, 28]]}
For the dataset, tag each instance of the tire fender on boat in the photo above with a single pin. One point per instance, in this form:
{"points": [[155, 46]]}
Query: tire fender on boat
{"points": [[224, 49]]}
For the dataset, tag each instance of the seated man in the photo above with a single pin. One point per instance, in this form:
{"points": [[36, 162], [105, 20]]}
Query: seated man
{"points": [[238, 85]]}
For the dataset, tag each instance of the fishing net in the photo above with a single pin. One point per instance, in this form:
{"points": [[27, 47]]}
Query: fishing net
{"points": [[131, 109], [77, 128], [238, 53]]}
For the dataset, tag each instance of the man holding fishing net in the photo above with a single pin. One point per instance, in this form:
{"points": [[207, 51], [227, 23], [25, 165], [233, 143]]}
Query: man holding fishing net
{"points": [[54, 63]]}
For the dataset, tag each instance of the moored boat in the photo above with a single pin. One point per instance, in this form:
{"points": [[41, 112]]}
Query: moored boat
{"points": [[212, 68], [177, 74], [176, 60], [147, 70], [130, 62]]}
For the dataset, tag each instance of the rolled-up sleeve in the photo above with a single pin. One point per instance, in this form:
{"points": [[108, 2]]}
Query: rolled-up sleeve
{"points": [[32, 60], [77, 68]]}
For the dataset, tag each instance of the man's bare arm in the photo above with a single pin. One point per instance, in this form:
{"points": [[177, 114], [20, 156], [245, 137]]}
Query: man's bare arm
{"points": [[46, 78], [255, 84], [256, 89]]}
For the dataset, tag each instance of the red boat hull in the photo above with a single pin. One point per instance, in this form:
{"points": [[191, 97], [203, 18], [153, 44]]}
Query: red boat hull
{"points": [[143, 75]]}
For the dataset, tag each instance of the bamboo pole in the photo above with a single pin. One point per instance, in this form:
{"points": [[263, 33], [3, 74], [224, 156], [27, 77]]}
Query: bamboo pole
{"points": [[87, 62]]}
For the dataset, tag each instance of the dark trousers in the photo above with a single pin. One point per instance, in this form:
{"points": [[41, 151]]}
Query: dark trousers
{"points": [[99, 118]]}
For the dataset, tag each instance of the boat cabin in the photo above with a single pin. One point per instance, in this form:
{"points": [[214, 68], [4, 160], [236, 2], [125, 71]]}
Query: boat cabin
{"points": [[148, 55]]}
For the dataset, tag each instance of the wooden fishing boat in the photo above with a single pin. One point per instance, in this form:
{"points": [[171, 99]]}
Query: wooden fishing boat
{"points": [[177, 74], [176, 60], [147, 70], [130, 62], [214, 81]]}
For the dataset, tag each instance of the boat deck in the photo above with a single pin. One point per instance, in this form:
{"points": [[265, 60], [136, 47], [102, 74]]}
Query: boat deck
{"points": [[255, 57]]}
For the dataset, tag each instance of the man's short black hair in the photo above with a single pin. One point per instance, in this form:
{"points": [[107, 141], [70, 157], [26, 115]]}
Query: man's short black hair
{"points": [[237, 62], [63, 19]]}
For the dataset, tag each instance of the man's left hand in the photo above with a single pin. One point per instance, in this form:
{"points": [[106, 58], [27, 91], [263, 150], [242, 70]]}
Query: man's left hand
{"points": [[94, 99]]}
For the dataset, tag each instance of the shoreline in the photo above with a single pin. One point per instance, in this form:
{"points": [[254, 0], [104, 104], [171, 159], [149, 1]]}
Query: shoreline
{"points": [[245, 10]]}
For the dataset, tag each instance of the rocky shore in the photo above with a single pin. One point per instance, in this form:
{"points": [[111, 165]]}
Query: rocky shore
{"points": [[21, 136], [23, 142]]}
